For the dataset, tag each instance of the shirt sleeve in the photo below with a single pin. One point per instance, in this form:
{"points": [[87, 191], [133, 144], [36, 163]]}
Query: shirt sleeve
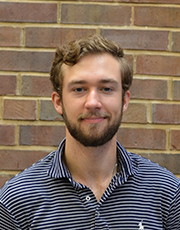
{"points": [[173, 220], [7, 221]]}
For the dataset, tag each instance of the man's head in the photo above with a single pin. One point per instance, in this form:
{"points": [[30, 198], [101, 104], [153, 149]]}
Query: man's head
{"points": [[71, 53], [91, 80]]}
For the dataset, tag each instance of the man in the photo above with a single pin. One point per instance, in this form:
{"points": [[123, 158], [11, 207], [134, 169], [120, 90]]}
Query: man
{"points": [[91, 181]]}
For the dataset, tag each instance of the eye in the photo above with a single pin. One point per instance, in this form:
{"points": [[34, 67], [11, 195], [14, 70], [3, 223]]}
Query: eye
{"points": [[106, 90], [79, 90]]}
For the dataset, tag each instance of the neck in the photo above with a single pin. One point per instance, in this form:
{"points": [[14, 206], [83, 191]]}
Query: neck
{"points": [[91, 166]]}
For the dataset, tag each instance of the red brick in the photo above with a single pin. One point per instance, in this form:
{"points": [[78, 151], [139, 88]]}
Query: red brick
{"points": [[149, 89], [168, 161], [175, 137], [36, 86], [175, 41], [136, 113], [157, 16], [1, 108], [158, 65], [53, 37], [19, 109], [176, 90], [97, 0], [129, 59], [142, 138], [8, 85], [7, 135], [41, 135], [28, 12], [48, 112], [19, 160], [26, 61], [166, 114], [138, 39], [10, 36], [95, 14], [151, 1]]}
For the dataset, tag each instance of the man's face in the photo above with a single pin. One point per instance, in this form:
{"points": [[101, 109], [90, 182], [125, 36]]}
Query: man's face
{"points": [[92, 99]]}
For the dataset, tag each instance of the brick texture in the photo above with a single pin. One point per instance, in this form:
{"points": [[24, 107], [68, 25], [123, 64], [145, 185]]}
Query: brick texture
{"points": [[158, 65], [48, 112], [36, 86], [149, 89], [7, 135], [10, 36], [142, 138], [129, 59], [166, 114], [1, 108], [26, 61], [175, 137], [136, 113], [95, 14], [8, 85], [175, 41], [19, 160], [30, 32], [139, 39], [41, 135], [157, 16], [53, 37], [151, 1], [176, 90], [19, 109], [28, 12]]}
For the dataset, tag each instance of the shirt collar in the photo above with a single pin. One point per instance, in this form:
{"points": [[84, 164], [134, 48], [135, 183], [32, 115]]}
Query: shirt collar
{"points": [[58, 169], [125, 164]]}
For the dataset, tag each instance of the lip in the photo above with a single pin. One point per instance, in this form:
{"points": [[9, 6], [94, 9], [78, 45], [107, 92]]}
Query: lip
{"points": [[93, 119]]}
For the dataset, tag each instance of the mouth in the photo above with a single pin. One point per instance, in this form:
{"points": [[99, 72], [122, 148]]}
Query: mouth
{"points": [[94, 117], [93, 120]]}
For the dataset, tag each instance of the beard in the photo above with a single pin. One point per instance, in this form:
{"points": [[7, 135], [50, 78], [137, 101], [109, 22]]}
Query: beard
{"points": [[93, 136]]}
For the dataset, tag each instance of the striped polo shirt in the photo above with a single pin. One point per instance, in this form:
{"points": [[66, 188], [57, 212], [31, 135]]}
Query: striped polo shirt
{"points": [[141, 196]]}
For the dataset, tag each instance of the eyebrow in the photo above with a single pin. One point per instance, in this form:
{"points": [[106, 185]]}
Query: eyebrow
{"points": [[73, 82], [108, 80], [82, 82], [76, 82]]}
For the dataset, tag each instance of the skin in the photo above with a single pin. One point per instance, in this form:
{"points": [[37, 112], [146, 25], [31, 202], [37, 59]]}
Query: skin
{"points": [[92, 102]]}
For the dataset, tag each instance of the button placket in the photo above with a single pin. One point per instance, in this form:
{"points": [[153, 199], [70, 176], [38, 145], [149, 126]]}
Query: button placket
{"points": [[98, 213]]}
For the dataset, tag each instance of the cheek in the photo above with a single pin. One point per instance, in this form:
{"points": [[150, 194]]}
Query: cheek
{"points": [[115, 106], [71, 108]]}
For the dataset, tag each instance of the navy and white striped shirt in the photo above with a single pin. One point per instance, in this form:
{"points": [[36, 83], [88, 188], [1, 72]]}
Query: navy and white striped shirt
{"points": [[141, 196]]}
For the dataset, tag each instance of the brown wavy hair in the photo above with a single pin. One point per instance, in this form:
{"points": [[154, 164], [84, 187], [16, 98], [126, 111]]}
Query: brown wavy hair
{"points": [[70, 54]]}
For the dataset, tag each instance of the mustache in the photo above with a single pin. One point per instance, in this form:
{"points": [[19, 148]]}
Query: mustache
{"points": [[94, 114]]}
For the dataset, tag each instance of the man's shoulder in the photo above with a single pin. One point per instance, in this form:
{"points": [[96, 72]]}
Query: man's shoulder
{"points": [[30, 176], [146, 168]]}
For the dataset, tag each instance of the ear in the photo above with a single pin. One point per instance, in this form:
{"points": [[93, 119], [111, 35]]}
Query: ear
{"points": [[57, 102], [126, 100]]}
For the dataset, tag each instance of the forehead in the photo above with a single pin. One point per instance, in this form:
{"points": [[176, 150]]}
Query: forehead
{"points": [[93, 67]]}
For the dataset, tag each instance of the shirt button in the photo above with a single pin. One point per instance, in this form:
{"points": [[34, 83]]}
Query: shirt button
{"points": [[98, 213], [88, 198]]}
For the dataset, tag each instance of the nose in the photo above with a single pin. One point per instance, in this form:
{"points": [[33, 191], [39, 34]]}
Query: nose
{"points": [[93, 100]]}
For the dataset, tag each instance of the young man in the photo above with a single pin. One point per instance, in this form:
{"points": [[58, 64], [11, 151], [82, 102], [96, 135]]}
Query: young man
{"points": [[91, 181]]}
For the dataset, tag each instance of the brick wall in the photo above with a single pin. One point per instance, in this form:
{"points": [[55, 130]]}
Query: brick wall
{"points": [[149, 31]]}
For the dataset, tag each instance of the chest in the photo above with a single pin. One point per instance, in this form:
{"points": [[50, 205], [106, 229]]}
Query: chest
{"points": [[80, 210]]}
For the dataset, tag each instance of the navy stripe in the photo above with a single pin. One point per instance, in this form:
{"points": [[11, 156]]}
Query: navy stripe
{"points": [[142, 195]]}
